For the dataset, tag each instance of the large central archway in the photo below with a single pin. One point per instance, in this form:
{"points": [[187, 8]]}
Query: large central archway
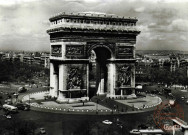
{"points": [[98, 71]]}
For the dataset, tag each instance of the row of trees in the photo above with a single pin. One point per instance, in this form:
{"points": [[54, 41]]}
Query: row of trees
{"points": [[164, 76], [11, 71]]}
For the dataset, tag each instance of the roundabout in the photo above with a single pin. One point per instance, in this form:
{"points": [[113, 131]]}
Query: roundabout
{"points": [[96, 106]]}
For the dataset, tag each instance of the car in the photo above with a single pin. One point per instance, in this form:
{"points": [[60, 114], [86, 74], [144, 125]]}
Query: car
{"points": [[132, 96], [107, 122], [22, 106], [170, 94], [8, 116], [42, 131], [135, 131], [183, 98], [186, 102], [22, 89], [16, 94], [172, 102], [8, 101]]}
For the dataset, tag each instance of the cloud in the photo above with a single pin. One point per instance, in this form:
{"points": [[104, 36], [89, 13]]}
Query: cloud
{"points": [[24, 22], [13, 2], [179, 25], [140, 9], [183, 37]]}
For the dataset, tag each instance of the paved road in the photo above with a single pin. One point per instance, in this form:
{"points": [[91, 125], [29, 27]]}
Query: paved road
{"points": [[63, 124], [178, 94], [60, 124]]}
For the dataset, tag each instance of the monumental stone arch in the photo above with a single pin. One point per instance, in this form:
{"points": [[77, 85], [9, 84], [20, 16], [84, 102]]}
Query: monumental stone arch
{"points": [[91, 54]]}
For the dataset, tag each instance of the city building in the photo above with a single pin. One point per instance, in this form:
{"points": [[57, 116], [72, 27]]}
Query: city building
{"points": [[28, 59], [174, 62], [45, 61], [91, 53]]}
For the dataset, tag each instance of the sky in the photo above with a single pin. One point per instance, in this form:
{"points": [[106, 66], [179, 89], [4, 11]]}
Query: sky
{"points": [[163, 23]]}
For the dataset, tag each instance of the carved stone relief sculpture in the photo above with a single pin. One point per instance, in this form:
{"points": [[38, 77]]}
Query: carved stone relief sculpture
{"points": [[56, 51], [124, 75], [93, 56], [74, 79]]}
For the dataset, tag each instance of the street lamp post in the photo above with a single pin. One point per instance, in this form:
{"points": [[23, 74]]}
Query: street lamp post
{"points": [[16, 98], [29, 99], [121, 126], [97, 106]]}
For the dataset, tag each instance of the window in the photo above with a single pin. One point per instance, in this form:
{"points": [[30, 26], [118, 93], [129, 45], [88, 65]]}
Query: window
{"points": [[67, 20], [95, 22], [88, 21], [125, 24]]}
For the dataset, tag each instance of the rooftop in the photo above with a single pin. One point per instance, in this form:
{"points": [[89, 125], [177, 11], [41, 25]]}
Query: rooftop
{"points": [[90, 15]]}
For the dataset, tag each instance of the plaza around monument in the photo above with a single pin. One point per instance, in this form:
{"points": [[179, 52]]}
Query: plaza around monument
{"points": [[103, 106]]}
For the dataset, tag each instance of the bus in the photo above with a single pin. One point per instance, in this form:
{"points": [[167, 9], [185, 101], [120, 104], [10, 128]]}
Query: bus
{"points": [[10, 108], [147, 132]]}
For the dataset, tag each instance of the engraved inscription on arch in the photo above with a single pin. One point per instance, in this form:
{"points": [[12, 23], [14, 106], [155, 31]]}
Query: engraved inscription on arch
{"points": [[75, 50], [124, 52]]}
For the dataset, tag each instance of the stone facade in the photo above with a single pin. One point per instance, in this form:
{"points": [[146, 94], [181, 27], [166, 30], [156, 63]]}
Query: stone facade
{"points": [[91, 54]]}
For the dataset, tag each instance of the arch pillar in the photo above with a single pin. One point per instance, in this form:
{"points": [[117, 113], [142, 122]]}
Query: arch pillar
{"points": [[111, 79], [53, 81], [62, 83]]}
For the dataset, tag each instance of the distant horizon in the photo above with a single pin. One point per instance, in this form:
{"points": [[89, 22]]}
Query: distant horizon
{"points": [[49, 50]]}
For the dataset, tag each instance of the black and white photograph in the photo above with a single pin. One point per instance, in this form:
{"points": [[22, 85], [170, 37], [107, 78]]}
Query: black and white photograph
{"points": [[94, 67]]}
